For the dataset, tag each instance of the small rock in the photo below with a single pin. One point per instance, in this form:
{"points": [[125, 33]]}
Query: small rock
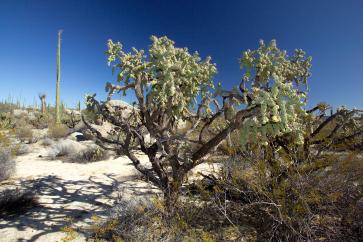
{"points": [[77, 136]]}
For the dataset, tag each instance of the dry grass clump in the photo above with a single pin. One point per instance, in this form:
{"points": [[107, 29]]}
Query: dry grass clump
{"points": [[25, 134], [90, 153], [148, 220], [47, 141], [58, 131], [5, 141], [15, 201], [7, 164], [21, 149]]}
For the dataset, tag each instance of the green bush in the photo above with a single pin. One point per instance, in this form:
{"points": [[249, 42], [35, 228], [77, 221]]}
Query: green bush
{"points": [[6, 121]]}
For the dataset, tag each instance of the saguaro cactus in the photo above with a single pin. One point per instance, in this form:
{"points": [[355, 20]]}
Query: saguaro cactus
{"points": [[79, 106], [57, 100]]}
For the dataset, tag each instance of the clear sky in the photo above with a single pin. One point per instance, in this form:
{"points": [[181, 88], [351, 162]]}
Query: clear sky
{"points": [[330, 31]]}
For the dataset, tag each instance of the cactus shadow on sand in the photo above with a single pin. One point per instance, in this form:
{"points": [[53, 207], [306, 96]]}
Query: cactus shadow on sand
{"points": [[66, 203]]}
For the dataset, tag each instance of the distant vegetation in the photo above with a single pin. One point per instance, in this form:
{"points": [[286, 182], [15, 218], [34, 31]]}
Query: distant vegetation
{"points": [[20, 128]]}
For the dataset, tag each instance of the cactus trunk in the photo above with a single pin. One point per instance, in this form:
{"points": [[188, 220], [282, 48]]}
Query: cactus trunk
{"points": [[43, 103], [43, 106], [57, 101]]}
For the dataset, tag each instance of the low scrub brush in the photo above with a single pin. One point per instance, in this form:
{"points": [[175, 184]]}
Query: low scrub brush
{"points": [[15, 201], [148, 220], [7, 164], [21, 149], [316, 201], [58, 131], [90, 154], [25, 134], [77, 152]]}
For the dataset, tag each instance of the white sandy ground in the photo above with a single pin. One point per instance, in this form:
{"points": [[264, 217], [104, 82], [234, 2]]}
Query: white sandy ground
{"points": [[69, 194]]}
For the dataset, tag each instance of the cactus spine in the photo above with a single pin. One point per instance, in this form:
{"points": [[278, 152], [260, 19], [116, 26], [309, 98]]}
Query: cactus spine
{"points": [[57, 100]]}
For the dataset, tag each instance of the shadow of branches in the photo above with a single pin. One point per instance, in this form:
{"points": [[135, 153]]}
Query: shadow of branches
{"points": [[64, 202]]}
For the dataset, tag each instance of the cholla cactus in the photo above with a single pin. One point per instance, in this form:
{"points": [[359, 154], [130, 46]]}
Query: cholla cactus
{"points": [[174, 76], [79, 106], [279, 87], [169, 81]]}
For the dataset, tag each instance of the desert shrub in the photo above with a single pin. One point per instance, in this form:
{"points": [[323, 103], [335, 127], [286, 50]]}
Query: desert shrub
{"points": [[71, 119], [90, 114], [58, 131], [41, 121], [21, 119], [311, 201], [21, 113], [7, 107], [5, 141], [7, 164], [21, 149], [89, 153], [79, 152], [6, 121], [232, 145], [25, 134], [47, 141], [65, 148], [71, 233], [148, 220], [16, 201]]}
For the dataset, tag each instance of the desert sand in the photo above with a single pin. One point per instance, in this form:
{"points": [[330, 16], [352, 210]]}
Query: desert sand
{"points": [[70, 194]]}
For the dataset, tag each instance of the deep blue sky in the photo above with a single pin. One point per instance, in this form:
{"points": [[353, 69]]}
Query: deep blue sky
{"points": [[330, 31]]}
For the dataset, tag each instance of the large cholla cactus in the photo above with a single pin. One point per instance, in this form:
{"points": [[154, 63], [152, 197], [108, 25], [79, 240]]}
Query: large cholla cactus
{"points": [[168, 82], [279, 87], [171, 76]]}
